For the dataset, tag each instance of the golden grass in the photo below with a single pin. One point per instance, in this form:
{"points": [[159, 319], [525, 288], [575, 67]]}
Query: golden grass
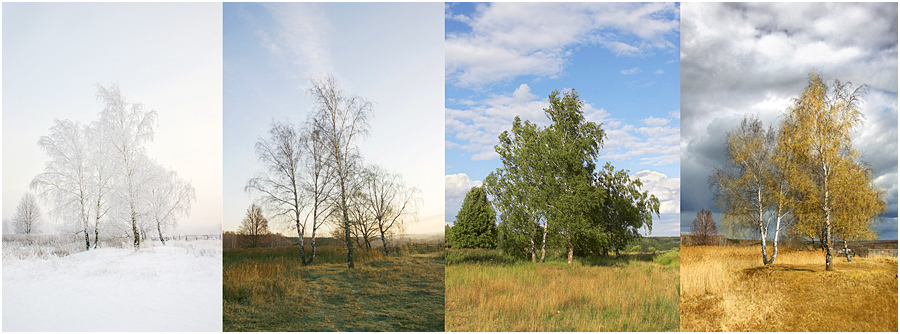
{"points": [[270, 290], [729, 289], [640, 296]]}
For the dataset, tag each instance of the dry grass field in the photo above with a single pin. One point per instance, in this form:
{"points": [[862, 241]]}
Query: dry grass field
{"points": [[728, 289], [269, 290], [634, 294]]}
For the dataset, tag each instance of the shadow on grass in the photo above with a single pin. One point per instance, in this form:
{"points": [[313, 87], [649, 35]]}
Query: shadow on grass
{"points": [[772, 268]]}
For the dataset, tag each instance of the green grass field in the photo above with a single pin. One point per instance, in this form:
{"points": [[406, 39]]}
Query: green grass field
{"points": [[269, 290], [487, 291]]}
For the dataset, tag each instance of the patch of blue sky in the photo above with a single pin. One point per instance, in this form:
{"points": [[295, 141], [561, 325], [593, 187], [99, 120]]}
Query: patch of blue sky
{"points": [[633, 91]]}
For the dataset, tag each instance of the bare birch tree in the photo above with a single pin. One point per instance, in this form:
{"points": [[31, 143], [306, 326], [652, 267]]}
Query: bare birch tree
{"points": [[341, 120], [392, 204], [280, 184], [318, 182]]}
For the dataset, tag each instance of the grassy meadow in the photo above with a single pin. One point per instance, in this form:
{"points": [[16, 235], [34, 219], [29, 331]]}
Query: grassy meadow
{"points": [[728, 289], [270, 290], [489, 291]]}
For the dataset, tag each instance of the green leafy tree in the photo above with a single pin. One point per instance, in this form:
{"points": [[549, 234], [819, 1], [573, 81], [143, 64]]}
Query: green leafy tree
{"points": [[448, 236], [516, 190], [626, 210], [474, 226], [572, 144]]}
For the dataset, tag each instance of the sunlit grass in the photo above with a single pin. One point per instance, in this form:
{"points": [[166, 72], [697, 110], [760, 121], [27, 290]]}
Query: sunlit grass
{"points": [[729, 289], [270, 290], [632, 294]]}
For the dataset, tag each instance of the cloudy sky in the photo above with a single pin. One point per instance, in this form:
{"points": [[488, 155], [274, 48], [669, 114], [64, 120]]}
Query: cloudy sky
{"points": [[167, 56], [740, 59], [390, 54], [504, 59]]}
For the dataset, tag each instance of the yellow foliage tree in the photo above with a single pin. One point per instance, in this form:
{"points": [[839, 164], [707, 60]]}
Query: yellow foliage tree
{"points": [[824, 171]]}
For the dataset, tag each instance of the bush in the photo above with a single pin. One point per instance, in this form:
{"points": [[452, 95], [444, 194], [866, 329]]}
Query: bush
{"points": [[636, 249], [488, 256], [671, 258]]}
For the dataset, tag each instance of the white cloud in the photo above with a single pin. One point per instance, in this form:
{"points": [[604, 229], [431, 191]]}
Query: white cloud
{"points": [[655, 121], [512, 39], [630, 71], [659, 72], [299, 35], [667, 190], [455, 188], [751, 59]]}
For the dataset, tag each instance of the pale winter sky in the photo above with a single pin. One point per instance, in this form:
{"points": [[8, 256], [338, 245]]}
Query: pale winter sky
{"points": [[167, 56], [504, 59], [740, 59], [390, 54]]}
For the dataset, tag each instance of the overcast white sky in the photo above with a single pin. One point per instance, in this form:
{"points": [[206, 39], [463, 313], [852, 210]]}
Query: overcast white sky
{"points": [[167, 56], [389, 53], [739, 59]]}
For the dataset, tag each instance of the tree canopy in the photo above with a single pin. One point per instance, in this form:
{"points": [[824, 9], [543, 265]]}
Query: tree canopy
{"points": [[474, 226]]}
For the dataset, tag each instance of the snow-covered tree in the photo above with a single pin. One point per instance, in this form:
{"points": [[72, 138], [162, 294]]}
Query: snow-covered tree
{"points": [[169, 198], [128, 126], [64, 182], [28, 215]]}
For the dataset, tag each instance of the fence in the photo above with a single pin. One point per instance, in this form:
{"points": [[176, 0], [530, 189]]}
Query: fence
{"points": [[713, 240], [881, 253]]}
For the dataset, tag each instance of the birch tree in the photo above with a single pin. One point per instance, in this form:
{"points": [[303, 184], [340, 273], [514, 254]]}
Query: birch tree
{"points": [[751, 187], [318, 183], [280, 184], [64, 182], [102, 180], [170, 198], [515, 189], [624, 208], [28, 214], [573, 145], [392, 204], [817, 131], [341, 120], [128, 126]]}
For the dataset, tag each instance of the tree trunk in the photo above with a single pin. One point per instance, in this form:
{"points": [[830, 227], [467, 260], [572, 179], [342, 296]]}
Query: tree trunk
{"points": [[544, 244], [384, 243], [159, 229], [347, 237], [96, 237], [569, 247], [312, 241], [134, 229], [533, 254], [846, 250], [828, 233], [300, 233]]}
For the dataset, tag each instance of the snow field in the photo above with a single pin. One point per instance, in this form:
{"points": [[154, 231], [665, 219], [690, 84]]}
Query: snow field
{"points": [[177, 287]]}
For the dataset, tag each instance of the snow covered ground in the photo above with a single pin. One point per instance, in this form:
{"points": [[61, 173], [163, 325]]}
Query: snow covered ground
{"points": [[177, 287]]}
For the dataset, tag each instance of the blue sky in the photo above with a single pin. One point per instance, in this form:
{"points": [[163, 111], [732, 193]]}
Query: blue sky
{"points": [[271, 50], [504, 59]]}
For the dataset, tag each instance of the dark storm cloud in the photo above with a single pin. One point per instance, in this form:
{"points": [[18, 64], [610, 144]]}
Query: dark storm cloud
{"points": [[739, 59]]}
